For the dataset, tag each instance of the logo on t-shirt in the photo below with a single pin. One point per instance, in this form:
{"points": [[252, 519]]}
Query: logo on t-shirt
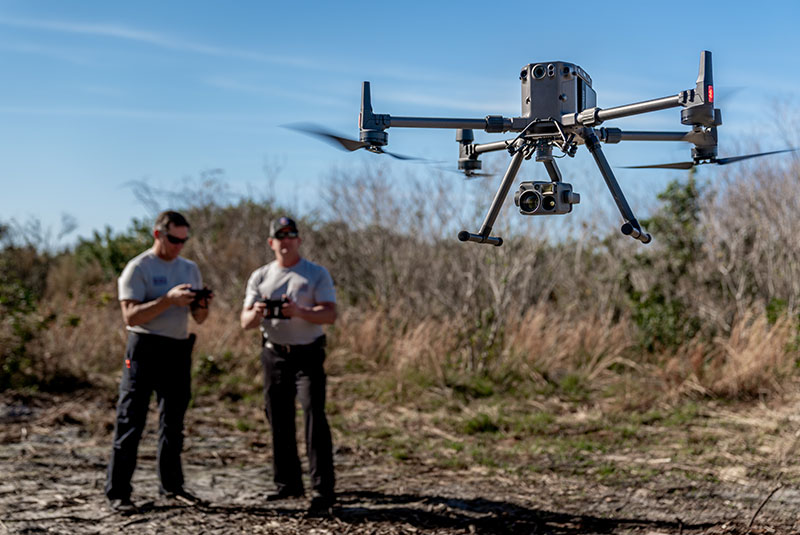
{"points": [[159, 281]]}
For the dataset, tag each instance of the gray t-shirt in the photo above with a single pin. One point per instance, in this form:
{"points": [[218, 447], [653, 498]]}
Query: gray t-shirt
{"points": [[305, 283], [148, 277]]}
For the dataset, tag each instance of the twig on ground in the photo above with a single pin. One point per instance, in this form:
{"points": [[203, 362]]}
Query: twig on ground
{"points": [[776, 489], [136, 521], [62, 517]]}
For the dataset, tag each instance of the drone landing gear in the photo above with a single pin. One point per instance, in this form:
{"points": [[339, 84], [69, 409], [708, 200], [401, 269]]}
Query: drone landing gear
{"points": [[497, 203], [631, 226]]}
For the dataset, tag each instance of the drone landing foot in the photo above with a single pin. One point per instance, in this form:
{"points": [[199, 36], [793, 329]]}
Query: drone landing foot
{"points": [[632, 229], [479, 238]]}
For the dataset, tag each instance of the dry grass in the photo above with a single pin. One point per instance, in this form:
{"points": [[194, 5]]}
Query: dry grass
{"points": [[560, 342], [543, 345], [416, 305], [755, 357]]}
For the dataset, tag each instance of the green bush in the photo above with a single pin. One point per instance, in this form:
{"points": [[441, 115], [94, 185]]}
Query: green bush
{"points": [[664, 312]]}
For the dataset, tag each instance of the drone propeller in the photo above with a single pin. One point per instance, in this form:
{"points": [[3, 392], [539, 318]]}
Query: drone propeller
{"points": [[466, 174], [470, 175], [343, 143], [719, 161]]}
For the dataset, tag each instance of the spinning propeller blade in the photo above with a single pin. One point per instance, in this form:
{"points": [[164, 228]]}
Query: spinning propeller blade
{"points": [[343, 143], [678, 165], [378, 150], [469, 175], [723, 161], [718, 161], [327, 136]]}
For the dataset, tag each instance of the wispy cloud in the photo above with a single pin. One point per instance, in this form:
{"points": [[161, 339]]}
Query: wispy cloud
{"points": [[317, 99], [128, 113], [171, 42], [58, 53], [161, 40]]}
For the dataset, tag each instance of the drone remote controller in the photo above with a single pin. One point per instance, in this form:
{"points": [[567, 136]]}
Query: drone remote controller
{"points": [[274, 308]]}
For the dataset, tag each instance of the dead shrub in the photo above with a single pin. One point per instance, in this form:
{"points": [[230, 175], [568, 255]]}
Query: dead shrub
{"points": [[753, 359]]}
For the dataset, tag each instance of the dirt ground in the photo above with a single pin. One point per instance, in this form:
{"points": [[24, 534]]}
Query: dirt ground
{"points": [[54, 450]]}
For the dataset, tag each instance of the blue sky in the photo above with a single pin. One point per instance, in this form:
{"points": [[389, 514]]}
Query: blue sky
{"points": [[99, 94]]}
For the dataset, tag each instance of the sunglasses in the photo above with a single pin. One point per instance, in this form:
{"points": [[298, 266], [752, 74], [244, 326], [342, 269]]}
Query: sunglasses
{"points": [[176, 240], [281, 235]]}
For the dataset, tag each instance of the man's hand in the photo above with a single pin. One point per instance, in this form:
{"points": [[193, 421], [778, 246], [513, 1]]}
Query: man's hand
{"points": [[180, 295], [289, 308], [199, 307], [203, 302], [260, 308], [251, 316], [321, 313]]}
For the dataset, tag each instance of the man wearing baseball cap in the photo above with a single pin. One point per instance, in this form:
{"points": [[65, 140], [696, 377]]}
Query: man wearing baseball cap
{"points": [[290, 299]]}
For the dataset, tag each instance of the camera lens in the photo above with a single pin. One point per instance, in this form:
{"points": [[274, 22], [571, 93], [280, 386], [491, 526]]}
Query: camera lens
{"points": [[538, 72], [528, 202], [549, 202]]}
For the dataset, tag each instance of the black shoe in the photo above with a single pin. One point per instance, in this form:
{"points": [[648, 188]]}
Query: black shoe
{"points": [[284, 494], [185, 497], [123, 506], [321, 503]]}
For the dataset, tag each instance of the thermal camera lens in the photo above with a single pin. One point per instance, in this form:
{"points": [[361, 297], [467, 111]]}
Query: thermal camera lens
{"points": [[549, 203], [529, 202]]}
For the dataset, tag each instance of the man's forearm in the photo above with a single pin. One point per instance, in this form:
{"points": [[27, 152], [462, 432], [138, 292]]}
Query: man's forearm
{"points": [[319, 314], [250, 318], [139, 313]]}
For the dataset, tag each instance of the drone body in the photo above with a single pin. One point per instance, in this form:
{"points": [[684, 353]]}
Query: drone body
{"points": [[554, 89], [559, 110]]}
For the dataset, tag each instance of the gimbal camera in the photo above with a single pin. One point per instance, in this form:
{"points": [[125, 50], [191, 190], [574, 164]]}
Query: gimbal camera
{"points": [[559, 110]]}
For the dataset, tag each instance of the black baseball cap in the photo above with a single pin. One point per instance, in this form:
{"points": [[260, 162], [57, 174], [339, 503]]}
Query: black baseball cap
{"points": [[282, 223]]}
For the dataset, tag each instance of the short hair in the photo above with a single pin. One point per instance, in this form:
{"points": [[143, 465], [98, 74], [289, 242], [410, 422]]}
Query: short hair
{"points": [[169, 217]]}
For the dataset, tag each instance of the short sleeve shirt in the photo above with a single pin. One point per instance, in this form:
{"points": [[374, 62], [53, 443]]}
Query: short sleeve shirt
{"points": [[148, 277], [305, 283]]}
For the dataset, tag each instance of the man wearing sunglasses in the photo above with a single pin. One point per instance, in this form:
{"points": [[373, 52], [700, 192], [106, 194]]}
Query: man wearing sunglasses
{"points": [[156, 297], [292, 356]]}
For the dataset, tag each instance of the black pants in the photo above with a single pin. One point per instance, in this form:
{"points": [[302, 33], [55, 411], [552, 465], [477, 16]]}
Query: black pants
{"points": [[160, 364], [289, 375]]}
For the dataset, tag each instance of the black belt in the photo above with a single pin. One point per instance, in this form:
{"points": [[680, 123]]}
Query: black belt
{"points": [[294, 348]]}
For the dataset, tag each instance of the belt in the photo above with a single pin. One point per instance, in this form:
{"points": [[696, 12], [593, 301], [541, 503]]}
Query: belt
{"points": [[295, 348]]}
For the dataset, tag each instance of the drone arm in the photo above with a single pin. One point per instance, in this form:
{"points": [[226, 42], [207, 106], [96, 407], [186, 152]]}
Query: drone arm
{"points": [[655, 136], [631, 227], [368, 121], [615, 135], [434, 122], [595, 116], [490, 123], [639, 108], [491, 147]]}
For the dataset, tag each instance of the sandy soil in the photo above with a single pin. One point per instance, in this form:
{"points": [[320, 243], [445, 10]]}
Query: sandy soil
{"points": [[54, 450]]}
